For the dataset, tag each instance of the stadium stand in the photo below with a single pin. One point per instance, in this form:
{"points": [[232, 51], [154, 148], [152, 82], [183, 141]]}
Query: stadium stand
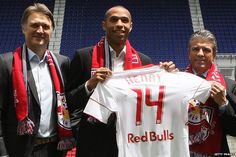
{"points": [[10, 29], [161, 28], [221, 21]]}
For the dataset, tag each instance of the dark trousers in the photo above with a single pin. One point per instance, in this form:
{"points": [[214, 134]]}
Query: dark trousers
{"points": [[47, 150]]}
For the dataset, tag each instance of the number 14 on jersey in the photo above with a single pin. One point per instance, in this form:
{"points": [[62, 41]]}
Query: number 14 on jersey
{"points": [[148, 102]]}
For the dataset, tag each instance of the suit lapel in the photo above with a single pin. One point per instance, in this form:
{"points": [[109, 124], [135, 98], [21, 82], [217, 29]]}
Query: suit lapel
{"points": [[31, 83]]}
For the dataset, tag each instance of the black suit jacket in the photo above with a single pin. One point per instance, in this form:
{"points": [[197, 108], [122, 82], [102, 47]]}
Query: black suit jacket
{"points": [[10, 142], [93, 139], [229, 117]]}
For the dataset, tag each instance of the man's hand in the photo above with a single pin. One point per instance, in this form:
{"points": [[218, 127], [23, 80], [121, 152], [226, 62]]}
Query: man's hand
{"points": [[218, 93], [100, 75], [169, 66]]}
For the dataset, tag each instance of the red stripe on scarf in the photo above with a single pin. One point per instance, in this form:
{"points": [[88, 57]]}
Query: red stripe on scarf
{"points": [[56, 82], [132, 59], [98, 54], [19, 89], [212, 75], [62, 108], [211, 144], [20, 97]]}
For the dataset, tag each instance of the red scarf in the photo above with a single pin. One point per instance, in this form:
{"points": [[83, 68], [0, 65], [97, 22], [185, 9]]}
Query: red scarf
{"points": [[131, 60], [207, 139], [25, 125]]}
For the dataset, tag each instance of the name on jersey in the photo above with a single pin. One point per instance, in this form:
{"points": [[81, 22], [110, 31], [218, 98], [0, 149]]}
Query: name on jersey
{"points": [[151, 136], [145, 78]]}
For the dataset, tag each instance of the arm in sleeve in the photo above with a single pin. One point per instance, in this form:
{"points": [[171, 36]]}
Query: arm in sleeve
{"points": [[3, 85], [76, 94], [228, 118], [145, 59]]}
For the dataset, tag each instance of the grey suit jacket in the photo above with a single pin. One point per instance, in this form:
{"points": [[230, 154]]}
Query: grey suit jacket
{"points": [[11, 143]]}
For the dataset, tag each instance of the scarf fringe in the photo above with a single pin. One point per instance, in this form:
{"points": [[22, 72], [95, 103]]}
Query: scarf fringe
{"points": [[19, 78], [66, 144], [25, 127]]}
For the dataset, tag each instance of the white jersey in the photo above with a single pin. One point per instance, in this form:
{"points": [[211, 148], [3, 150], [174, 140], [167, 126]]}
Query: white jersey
{"points": [[151, 106]]}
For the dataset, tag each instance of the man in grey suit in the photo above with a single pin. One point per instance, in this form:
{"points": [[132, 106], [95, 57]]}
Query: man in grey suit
{"points": [[34, 119]]}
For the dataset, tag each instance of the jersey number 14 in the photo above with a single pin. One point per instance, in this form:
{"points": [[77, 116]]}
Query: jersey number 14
{"points": [[148, 102]]}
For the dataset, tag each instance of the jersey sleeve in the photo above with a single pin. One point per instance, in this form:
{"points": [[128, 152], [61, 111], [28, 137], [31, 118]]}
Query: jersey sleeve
{"points": [[203, 91], [100, 104], [196, 87]]}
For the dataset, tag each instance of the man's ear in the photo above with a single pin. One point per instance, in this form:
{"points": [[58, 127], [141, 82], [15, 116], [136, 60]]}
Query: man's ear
{"points": [[131, 26], [104, 25], [23, 29]]}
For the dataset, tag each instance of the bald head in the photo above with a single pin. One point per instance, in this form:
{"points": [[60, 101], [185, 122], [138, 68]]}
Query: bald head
{"points": [[117, 25], [118, 7]]}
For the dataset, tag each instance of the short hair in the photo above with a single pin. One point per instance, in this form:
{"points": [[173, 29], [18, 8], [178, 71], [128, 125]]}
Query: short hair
{"points": [[207, 35], [38, 8], [116, 6]]}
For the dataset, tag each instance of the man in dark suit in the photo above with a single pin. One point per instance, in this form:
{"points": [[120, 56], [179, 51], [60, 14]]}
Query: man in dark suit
{"points": [[34, 120], [95, 64], [229, 116], [209, 140]]}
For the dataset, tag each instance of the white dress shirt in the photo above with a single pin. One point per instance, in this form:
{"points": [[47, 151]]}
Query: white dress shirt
{"points": [[44, 85], [118, 61]]}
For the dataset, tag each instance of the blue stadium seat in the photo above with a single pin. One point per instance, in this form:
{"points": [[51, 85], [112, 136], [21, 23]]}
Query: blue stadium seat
{"points": [[219, 17], [161, 28], [10, 27]]}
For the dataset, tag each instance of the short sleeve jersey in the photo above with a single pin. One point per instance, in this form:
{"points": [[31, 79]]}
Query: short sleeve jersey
{"points": [[151, 106]]}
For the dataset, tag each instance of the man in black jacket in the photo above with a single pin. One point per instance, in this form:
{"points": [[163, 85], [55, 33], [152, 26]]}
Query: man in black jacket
{"points": [[229, 116], [95, 64], [34, 120]]}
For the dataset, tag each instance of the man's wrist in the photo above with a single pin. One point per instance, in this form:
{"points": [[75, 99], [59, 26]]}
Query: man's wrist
{"points": [[224, 103], [222, 107], [86, 88]]}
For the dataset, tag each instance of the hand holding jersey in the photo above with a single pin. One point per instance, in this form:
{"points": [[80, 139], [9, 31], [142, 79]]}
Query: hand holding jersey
{"points": [[151, 106], [100, 75], [169, 66], [218, 93]]}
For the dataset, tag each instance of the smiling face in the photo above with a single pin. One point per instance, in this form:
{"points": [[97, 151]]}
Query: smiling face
{"points": [[117, 25], [37, 30], [201, 54]]}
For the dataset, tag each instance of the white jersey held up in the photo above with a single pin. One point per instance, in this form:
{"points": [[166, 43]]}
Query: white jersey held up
{"points": [[151, 106]]}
